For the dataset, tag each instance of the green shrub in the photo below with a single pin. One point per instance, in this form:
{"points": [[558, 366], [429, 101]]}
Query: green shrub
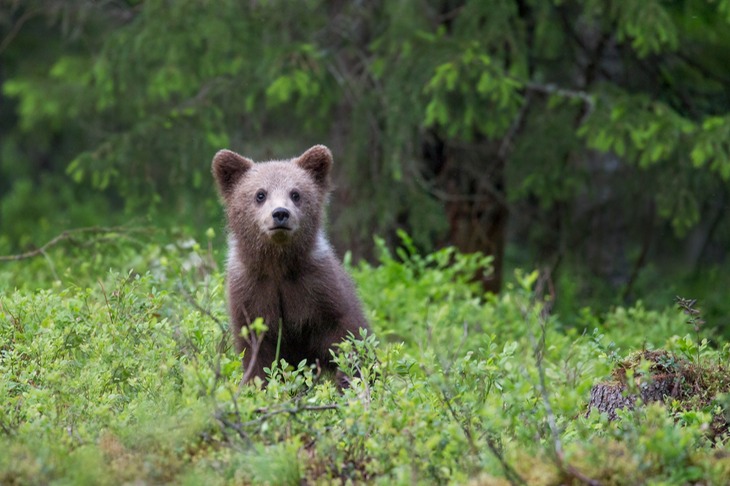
{"points": [[128, 375]]}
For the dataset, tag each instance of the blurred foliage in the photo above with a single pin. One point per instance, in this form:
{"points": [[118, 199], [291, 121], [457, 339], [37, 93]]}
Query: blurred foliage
{"points": [[598, 129], [129, 377]]}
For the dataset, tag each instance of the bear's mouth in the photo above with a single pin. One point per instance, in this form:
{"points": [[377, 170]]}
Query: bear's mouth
{"points": [[280, 234]]}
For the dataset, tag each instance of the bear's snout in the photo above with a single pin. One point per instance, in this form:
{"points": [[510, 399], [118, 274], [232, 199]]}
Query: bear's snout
{"points": [[280, 215]]}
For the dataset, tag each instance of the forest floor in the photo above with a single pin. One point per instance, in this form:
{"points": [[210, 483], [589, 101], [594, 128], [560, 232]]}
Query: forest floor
{"points": [[116, 367]]}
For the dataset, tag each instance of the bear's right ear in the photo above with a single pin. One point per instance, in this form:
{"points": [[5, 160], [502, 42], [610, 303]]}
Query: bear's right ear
{"points": [[228, 167]]}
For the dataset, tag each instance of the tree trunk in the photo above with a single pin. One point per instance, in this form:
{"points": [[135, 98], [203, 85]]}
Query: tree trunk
{"points": [[479, 225], [469, 179]]}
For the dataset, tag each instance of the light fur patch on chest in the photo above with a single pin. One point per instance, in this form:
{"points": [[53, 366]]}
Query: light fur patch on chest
{"points": [[322, 248]]}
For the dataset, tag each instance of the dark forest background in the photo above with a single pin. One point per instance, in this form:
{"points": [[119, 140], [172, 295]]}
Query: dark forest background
{"points": [[589, 139]]}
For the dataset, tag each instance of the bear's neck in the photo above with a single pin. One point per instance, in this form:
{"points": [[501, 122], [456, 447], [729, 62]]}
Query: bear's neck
{"points": [[266, 259]]}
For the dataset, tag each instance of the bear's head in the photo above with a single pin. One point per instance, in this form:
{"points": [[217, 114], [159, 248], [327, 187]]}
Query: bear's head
{"points": [[276, 204]]}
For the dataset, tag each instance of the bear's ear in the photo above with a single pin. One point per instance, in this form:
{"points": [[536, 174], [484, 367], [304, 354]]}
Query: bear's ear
{"points": [[318, 162], [228, 167]]}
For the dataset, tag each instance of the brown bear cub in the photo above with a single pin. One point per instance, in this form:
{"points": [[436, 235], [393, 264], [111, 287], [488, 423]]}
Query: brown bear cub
{"points": [[280, 265]]}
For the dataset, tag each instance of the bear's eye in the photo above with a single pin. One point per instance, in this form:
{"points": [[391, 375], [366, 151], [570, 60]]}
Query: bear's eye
{"points": [[260, 196], [295, 196]]}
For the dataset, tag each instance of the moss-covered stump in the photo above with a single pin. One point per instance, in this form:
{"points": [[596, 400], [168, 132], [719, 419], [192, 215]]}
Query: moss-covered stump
{"points": [[661, 376]]}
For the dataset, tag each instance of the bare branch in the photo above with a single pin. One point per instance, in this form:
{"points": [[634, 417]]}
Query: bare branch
{"points": [[235, 426], [539, 353], [16, 28], [553, 90], [190, 300], [512, 476], [69, 235], [507, 142], [254, 344], [291, 411], [108, 306]]}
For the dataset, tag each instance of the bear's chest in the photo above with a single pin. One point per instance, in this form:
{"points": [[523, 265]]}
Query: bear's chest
{"points": [[298, 302]]}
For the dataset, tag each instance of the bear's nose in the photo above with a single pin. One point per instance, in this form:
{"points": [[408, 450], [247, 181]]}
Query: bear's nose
{"points": [[280, 215]]}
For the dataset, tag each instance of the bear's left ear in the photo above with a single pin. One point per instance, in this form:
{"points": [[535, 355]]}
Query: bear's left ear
{"points": [[228, 168], [318, 162]]}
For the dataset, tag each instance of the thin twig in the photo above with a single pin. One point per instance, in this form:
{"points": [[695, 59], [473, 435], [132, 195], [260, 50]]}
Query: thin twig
{"points": [[67, 235], [51, 265], [554, 90], [505, 147], [235, 426], [512, 476], [108, 306], [206, 312], [16, 28], [290, 411], [190, 300], [464, 336], [538, 352], [254, 342]]}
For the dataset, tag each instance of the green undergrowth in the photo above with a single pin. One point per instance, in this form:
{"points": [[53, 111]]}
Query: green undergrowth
{"points": [[116, 367]]}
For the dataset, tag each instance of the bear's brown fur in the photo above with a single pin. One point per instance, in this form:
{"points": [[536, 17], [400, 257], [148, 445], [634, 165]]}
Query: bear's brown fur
{"points": [[280, 265]]}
